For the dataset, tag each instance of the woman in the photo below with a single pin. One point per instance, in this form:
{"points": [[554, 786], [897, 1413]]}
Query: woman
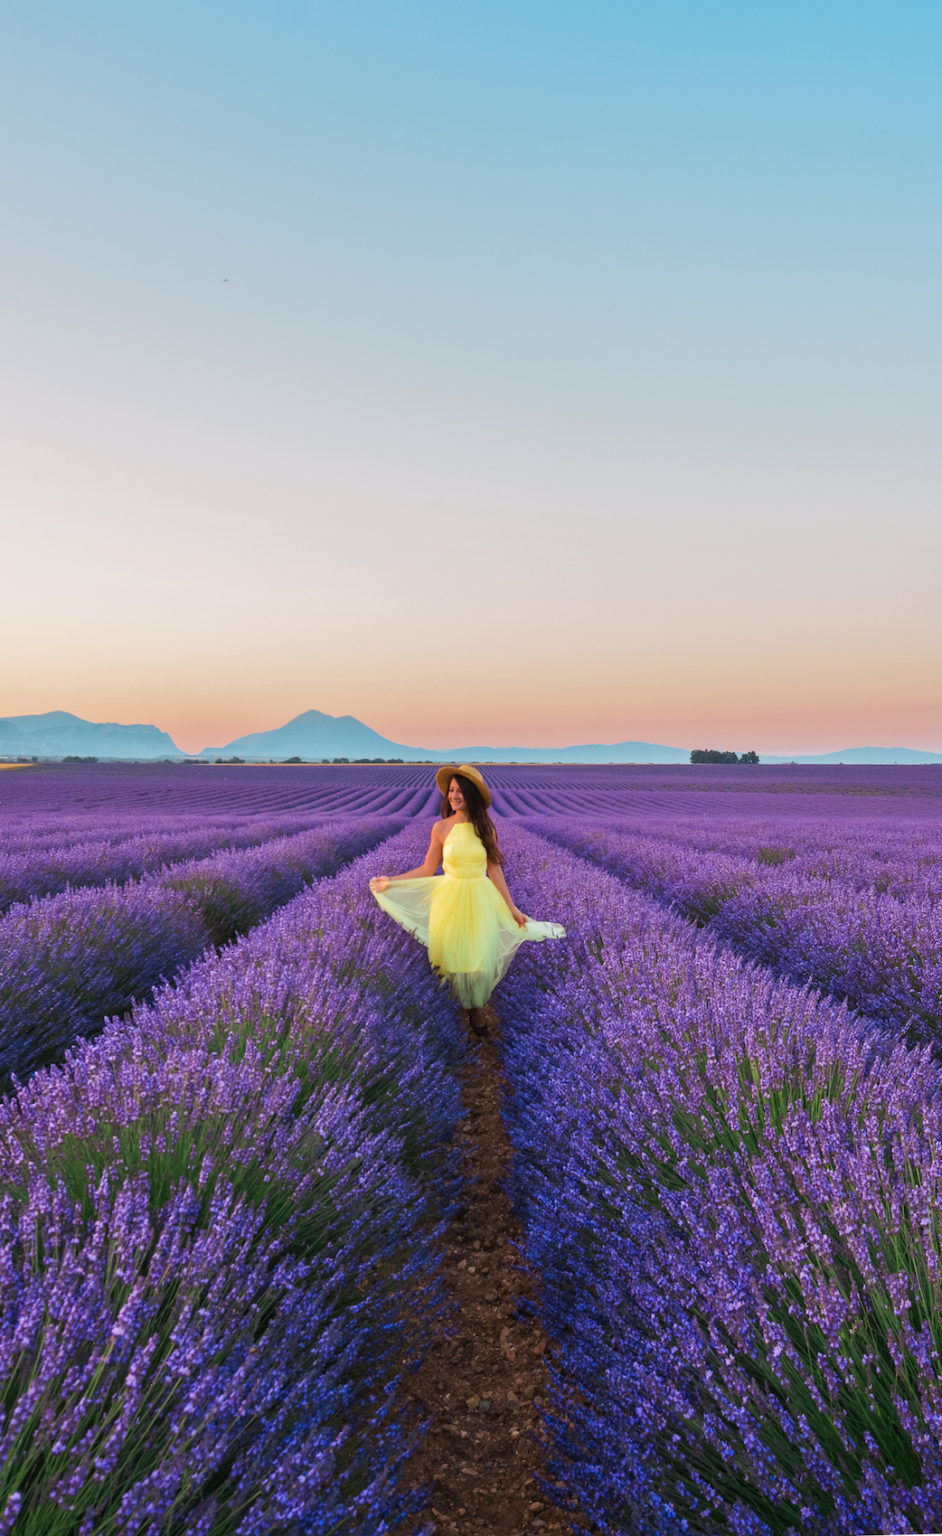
{"points": [[465, 917]]}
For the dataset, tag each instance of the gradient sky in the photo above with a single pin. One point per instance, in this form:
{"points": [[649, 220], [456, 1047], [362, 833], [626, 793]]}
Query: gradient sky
{"points": [[507, 372]]}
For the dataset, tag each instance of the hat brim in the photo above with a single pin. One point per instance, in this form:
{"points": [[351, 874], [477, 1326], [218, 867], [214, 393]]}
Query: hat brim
{"points": [[445, 775], [448, 771]]}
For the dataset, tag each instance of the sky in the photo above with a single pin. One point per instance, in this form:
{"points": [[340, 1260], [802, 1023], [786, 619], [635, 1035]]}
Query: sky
{"points": [[510, 372]]}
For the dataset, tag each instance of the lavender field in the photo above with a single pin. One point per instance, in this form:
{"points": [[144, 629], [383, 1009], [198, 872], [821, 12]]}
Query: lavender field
{"points": [[229, 1133]]}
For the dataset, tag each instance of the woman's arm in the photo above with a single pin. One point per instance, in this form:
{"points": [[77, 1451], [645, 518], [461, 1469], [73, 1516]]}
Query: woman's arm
{"points": [[496, 874], [432, 860]]}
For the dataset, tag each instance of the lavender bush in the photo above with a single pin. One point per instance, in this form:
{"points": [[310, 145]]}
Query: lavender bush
{"points": [[731, 1189], [880, 952], [714, 793], [217, 1226], [100, 860], [697, 882], [903, 858], [64, 792], [217, 1218], [68, 960]]}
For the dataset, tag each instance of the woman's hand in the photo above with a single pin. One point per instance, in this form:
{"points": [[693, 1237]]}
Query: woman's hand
{"points": [[518, 917], [432, 860]]}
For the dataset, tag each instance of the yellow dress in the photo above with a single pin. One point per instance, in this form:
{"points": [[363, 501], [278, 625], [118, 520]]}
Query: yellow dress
{"points": [[462, 918]]}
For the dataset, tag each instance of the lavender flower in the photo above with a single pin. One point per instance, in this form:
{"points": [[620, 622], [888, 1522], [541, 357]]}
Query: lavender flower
{"points": [[731, 1190], [217, 1237], [67, 961]]}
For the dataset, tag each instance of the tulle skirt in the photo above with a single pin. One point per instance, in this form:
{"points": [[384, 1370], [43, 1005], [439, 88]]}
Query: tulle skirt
{"points": [[467, 928]]}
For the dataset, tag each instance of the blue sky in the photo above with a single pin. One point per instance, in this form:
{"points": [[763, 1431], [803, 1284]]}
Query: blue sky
{"points": [[595, 349]]}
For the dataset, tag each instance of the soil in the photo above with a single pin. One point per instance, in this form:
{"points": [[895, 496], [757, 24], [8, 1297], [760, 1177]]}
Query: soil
{"points": [[482, 1386]]}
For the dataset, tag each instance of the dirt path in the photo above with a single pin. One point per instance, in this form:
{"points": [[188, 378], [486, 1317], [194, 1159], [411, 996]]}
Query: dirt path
{"points": [[482, 1388]]}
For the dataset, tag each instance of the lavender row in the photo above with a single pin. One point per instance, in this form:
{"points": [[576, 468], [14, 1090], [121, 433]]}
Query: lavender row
{"points": [[100, 860], [35, 835], [715, 793], [697, 883], [39, 829], [35, 832], [902, 858], [731, 1189], [881, 953], [848, 793], [148, 788], [67, 961], [217, 1239]]}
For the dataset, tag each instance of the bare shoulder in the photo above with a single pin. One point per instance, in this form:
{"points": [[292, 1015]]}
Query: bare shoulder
{"points": [[442, 828]]}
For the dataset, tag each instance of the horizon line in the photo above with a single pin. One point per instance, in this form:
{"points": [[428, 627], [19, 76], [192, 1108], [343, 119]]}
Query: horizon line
{"points": [[787, 754]]}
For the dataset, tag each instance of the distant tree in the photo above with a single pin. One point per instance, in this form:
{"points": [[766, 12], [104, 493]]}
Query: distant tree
{"points": [[711, 755], [72, 758], [340, 759], [292, 759]]}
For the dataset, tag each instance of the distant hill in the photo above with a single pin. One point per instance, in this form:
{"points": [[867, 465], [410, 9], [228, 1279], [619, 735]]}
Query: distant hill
{"points": [[59, 734], [888, 756], [314, 735]]}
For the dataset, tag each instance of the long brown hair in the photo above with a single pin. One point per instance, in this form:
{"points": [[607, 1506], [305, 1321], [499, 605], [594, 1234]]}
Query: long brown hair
{"points": [[477, 810]]}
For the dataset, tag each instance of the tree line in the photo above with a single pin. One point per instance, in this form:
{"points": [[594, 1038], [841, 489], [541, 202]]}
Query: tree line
{"points": [[711, 755]]}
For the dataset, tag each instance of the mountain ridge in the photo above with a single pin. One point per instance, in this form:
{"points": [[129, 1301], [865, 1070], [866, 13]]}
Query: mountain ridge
{"points": [[57, 733], [315, 735]]}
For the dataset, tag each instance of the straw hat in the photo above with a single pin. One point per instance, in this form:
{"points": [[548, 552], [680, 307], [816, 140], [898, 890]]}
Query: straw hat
{"points": [[447, 772]]}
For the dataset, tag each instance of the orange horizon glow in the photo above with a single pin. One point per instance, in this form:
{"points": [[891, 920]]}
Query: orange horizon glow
{"points": [[688, 723]]}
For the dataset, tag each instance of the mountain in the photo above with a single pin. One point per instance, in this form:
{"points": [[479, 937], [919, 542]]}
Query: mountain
{"points": [[588, 752], [316, 735], [873, 755], [59, 734], [12, 740]]}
